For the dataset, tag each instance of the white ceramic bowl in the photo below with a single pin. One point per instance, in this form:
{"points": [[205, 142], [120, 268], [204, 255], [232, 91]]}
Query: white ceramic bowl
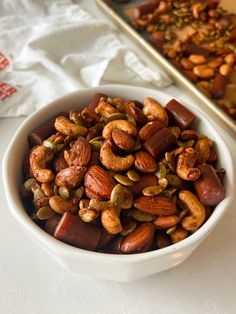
{"points": [[114, 267]]}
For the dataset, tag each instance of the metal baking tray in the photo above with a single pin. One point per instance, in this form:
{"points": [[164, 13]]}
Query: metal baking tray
{"points": [[115, 12]]}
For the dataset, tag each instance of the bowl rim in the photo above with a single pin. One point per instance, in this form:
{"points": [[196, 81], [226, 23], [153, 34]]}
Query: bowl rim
{"points": [[62, 248]]}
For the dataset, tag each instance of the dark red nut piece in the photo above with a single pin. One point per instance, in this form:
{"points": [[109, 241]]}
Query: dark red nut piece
{"points": [[136, 113], [213, 3], [106, 238], [114, 246], [145, 180], [161, 142], [72, 230], [219, 86], [232, 35], [189, 49], [37, 136], [162, 240], [179, 115], [150, 129], [95, 100], [157, 39], [208, 187], [142, 9], [188, 135], [190, 75], [51, 224]]}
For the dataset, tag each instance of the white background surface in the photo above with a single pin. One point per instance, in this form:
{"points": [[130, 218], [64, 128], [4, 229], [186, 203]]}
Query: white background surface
{"points": [[32, 282]]}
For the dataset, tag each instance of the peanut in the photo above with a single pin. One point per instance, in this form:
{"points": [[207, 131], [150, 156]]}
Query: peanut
{"points": [[203, 71], [197, 59]]}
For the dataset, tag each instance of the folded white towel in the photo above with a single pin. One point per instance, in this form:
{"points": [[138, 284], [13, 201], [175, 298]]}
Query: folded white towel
{"points": [[50, 48]]}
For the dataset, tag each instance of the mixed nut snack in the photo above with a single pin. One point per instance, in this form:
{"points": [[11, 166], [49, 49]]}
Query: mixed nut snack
{"points": [[121, 176], [198, 37]]}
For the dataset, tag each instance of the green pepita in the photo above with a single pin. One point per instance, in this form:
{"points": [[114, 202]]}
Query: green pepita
{"points": [[141, 216], [169, 193], [96, 146], [132, 175], [64, 192], [152, 190], [99, 205], [115, 116], [186, 144], [50, 145], [170, 159], [163, 182], [171, 230], [175, 130], [79, 192], [161, 170], [173, 180], [128, 228], [121, 197], [45, 213], [31, 185], [123, 180]]}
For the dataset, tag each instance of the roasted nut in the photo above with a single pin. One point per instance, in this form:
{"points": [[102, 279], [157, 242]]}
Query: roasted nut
{"points": [[94, 203], [136, 113], [166, 222], [95, 100], [208, 187], [66, 127], [128, 228], [215, 63], [196, 209], [162, 240], [121, 197], [225, 69], [60, 205], [145, 180], [39, 158], [203, 148], [188, 135], [186, 64], [152, 190], [79, 154], [115, 116], [123, 140], [104, 109], [112, 161], [45, 213], [144, 162], [153, 110], [87, 214], [190, 75], [149, 129], [197, 59], [133, 176], [141, 216], [123, 125], [203, 71], [230, 59], [185, 164], [178, 235], [138, 238], [156, 205], [70, 177], [111, 221], [123, 180], [59, 163]]}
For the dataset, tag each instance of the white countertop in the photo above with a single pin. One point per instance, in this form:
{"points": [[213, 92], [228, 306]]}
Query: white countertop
{"points": [[32, 282]]}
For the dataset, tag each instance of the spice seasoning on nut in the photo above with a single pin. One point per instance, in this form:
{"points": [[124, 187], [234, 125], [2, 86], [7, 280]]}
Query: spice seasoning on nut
{"points": [[198, 37], [149, 182]]}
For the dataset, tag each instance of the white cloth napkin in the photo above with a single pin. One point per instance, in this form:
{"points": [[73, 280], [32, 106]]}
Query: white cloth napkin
{"points": [[49, 48]]}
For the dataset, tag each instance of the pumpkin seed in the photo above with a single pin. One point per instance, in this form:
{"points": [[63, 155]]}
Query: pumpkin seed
{"points": [[171, 230], [137, 146], [115, 116], [163, 182], [132, 175], [170, 159], [182, 214], [64, 192], [99, 205], [128, 228], [152, 190], [141, 216], [175, 130], [79, 192], [186, 144], [38, 193], [59, 140], [50, 145], [131, 119], [161, 170], [31, 185], [96, 146], [75, 118], [87, 214], [47, 189], [121, 197], [45, 213], [123, 180], [173, 180], [169, 193]]}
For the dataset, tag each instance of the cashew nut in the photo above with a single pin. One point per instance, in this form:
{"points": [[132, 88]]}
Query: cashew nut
{"points": [[39, 158], [185, 163], [104, 109], [196, 209], [123, 125], [153, 110], [111, 221], [87, 214], [112, 161], [203, 148], [178, 235], [60, 205], [197, 8], [66, 127]]}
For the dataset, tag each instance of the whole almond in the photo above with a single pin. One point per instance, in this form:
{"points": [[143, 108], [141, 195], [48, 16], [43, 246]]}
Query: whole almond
{"points": [[166, 222], [144, 162], [138, 238], [79, 154], [99, 182], [123, 140], [150, 129], [70, 177], [136, 113], [157, 205]]}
